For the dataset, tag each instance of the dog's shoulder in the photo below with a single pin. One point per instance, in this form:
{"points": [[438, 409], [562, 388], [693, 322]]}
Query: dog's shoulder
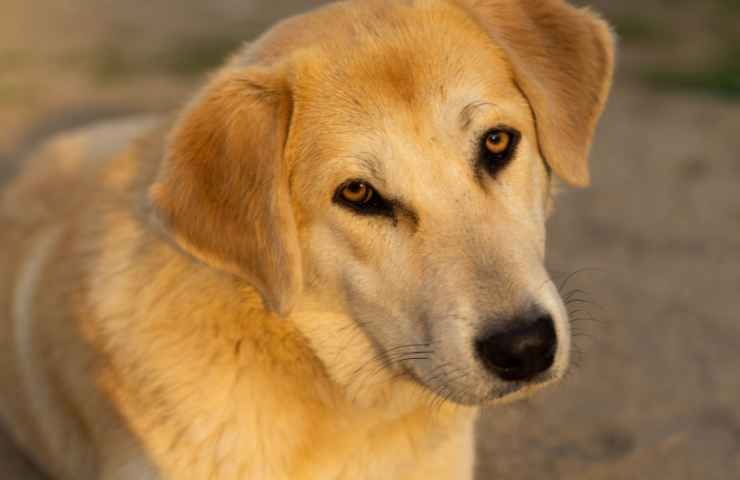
{"points": [[69, 166]]}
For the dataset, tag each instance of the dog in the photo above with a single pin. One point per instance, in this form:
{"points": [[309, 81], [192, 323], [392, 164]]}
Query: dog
{"points": [[321, 268]]}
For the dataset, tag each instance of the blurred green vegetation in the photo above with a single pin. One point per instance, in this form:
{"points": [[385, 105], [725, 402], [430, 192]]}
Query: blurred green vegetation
{"points": [[193, 55], [721, 78], [110, 64], [732, 6], [634, 29], [186, 56], [657, 38]]}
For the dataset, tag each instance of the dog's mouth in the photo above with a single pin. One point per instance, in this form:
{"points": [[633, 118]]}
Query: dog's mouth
{"points": [[515, 390], [467, 387]]}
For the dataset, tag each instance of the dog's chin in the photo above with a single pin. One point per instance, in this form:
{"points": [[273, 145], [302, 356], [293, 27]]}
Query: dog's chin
{"points": [[487, 392]]}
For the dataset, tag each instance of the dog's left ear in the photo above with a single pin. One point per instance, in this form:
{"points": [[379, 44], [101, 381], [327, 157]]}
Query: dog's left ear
{"points": [[563, 59], [222, 191]]}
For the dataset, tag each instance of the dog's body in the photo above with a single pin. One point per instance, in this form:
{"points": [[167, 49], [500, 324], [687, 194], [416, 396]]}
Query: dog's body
{"points": [[176, 302]]}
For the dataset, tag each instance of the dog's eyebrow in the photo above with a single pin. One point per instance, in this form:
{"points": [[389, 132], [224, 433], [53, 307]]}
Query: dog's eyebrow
{"points": [[370, 164], [466, 114]]}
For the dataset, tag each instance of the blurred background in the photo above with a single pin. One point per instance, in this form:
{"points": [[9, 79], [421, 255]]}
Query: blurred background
{"points": [[652, 248]]}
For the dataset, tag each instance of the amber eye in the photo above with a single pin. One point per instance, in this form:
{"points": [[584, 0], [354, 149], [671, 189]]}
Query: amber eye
{"points": [[497, 148], [498, 142], [358, 193], [360, 197]]}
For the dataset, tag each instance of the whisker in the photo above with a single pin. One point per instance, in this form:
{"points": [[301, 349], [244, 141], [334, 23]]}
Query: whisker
{"points": [[581, 301], [573, 274], [569, 296]]}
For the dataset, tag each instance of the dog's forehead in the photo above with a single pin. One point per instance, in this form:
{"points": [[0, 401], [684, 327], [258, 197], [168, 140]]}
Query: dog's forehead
{"points": [[405, 55], [408, 71]]}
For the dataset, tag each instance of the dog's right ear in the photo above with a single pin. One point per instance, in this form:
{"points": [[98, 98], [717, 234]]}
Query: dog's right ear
{"points": [[222, 192]]}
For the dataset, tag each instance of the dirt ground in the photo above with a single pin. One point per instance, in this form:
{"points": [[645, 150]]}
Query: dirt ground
{"points": [[655, 241]]}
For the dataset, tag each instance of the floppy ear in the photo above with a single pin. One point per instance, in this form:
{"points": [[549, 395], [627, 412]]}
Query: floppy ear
{"points": [[222, 191], [563, 60]]}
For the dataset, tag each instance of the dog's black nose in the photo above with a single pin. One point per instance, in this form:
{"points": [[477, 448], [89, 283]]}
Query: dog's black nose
{"points": [[521, 349]]}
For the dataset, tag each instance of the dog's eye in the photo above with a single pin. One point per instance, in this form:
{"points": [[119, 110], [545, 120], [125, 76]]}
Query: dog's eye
{"points": [[498, 142], [498, 147], [358, 193], [362, 198]]}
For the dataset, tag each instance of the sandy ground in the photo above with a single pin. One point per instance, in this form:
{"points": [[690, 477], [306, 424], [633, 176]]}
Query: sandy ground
{"points": [[655, 393]]}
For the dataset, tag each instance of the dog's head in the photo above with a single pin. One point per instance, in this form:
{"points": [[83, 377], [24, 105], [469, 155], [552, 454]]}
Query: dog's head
{"points": [[381, 172]]}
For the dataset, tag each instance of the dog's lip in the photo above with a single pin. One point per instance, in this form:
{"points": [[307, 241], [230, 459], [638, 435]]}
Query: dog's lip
{"points": [[496, 393], [510, 388]]}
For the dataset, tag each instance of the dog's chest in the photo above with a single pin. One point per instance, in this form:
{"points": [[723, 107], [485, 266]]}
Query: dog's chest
{"points": [[409, 448]]}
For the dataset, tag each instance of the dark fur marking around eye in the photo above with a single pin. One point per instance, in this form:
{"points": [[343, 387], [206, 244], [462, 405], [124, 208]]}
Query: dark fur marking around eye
{"points": [[491, 161], [375, 205], [407, 212]]}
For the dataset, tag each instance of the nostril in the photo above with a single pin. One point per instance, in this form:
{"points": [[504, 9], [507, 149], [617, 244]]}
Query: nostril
{"points": [[524, 348]]}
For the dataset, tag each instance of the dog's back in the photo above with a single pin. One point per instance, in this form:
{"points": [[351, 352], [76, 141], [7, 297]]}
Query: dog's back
{"points": [[59, 182]]}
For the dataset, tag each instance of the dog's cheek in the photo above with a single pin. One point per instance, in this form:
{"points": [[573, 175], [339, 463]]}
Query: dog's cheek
{"points": [[331, 254]]}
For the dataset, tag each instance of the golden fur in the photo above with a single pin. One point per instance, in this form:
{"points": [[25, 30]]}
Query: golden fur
{"points": [[180, 299]]}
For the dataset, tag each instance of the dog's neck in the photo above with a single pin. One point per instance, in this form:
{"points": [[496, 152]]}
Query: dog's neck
{"points": [[208, 370]]}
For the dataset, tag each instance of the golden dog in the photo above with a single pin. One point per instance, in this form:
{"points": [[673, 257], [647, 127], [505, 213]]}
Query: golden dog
{"points": [[321, 268]]}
